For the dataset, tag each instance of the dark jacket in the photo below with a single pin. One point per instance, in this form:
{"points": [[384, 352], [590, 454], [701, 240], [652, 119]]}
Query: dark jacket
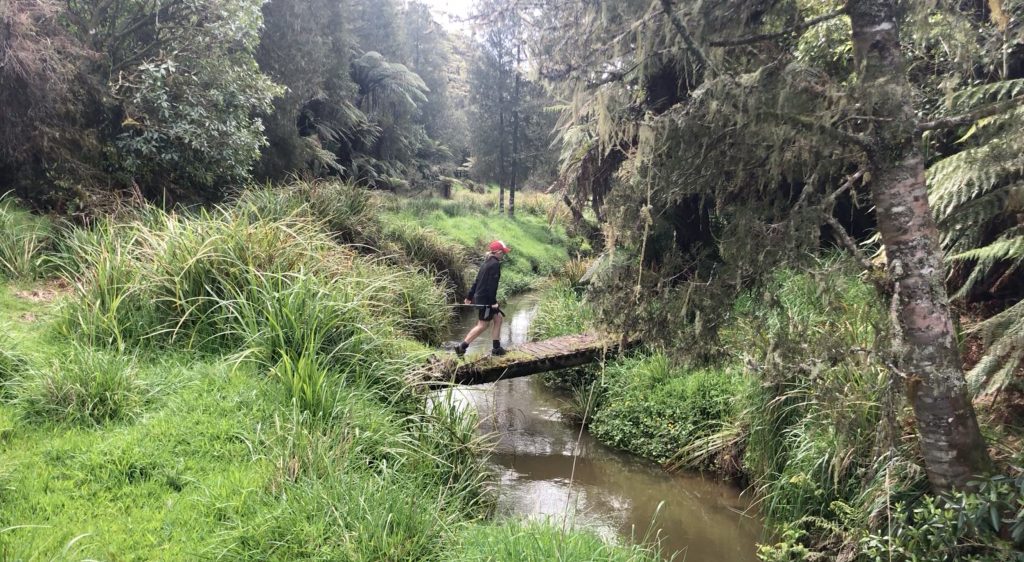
{"points": [[485, 288]]}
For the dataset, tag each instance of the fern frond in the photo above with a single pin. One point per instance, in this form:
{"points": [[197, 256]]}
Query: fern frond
{"points": [[1002, 249], [1004, 334], [1010, 249], [970, 174], [975, 96]]}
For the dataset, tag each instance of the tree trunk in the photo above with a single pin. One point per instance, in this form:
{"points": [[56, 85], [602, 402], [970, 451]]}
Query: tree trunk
{"points": [[951, 443], [501, 158], [515, 138]]}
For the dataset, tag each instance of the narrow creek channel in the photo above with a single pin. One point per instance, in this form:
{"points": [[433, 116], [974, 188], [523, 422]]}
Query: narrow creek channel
{"points": [[548, 468]]}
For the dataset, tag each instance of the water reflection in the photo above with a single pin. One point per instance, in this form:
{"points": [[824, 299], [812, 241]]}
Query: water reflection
{"points": [[549, 468]]}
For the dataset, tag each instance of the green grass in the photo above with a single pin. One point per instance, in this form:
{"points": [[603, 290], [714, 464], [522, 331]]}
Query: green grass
{"points": [[650, 407], [24, 238], [515, 541], [231, 384], [540, 247], [86, 387]]}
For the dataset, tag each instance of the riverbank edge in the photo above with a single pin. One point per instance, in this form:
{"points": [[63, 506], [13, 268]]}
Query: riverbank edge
{"points": [[202, 452]]}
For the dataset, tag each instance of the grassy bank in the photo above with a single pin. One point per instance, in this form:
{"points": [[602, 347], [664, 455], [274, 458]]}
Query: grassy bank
{"points": [[233, 383], [469, 220], [802, 409], [446, 237]]}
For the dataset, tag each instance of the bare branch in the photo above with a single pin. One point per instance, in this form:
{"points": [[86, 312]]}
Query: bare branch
{"points": [[971, 117], [843, 188], [833, 133], [772, 36], [684, 33], [849, 243]]}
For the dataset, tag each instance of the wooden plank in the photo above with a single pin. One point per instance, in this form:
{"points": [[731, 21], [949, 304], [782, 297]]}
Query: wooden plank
{"points": [[531, 358]]}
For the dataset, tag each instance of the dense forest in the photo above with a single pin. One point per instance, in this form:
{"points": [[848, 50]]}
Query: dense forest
{"points": [[234, 231]]}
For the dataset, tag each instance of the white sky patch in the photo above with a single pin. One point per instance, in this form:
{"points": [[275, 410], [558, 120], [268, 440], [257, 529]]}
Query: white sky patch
{"points": [[450, 12]]}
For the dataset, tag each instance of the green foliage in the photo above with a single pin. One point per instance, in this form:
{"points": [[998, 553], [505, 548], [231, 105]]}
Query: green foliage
{"points": [[977, 200], [561, 311], [13, 368], [86, 387], [189, 113], [214, 279], [163, 101], [355, 216], [24, 239], [510, 542], [817, 341], [969, 526], [654, 409]]}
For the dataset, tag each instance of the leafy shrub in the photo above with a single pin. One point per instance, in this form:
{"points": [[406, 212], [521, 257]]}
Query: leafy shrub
{"points": [[984, 525], [653, 409], [86, 387]]}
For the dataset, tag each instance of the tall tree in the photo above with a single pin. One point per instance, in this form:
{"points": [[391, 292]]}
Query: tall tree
{"points": [[951, 442], [306, 47], [718, 143], [509, 126]]}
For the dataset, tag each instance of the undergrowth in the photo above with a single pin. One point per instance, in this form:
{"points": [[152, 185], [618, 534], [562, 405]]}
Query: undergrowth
{"points": [[805, 410], [235, 383], [24, 238]]}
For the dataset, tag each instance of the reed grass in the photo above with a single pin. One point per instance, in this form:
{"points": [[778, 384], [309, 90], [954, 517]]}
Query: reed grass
{"points": [[85, 387], [24, 240]]}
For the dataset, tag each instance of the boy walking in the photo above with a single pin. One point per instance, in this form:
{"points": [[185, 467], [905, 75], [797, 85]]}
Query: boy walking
{"points": [[484, 294]]}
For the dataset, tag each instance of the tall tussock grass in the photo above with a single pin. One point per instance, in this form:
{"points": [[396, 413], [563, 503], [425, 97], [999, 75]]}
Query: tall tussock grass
{"points": [[13, 367], [86, 387], [370, 483], [190, 279], [354, 216], [24, 240]]}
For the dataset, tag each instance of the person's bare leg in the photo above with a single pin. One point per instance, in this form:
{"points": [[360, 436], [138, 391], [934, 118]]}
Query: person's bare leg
{"points": [[496, 331], [481, 325]]}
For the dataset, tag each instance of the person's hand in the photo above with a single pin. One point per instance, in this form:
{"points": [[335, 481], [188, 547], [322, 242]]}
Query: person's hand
{"points": [[467, 301], [495, 305]]}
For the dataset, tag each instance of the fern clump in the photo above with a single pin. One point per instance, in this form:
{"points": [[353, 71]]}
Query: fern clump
{"points": [[978, 198]]}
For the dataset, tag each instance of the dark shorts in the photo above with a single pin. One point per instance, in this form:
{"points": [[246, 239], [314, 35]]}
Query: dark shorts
{"points": [[487, 314]]}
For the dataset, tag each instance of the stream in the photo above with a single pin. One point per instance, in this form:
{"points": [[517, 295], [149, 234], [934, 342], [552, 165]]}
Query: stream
{"points": [[549, 468]]}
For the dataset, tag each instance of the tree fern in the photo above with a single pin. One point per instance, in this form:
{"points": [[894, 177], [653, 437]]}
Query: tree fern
{"points": [[1003, 335], [978, 199]]}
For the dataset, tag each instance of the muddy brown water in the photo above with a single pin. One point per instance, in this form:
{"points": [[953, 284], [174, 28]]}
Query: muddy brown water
{"points": [[549, 468]]}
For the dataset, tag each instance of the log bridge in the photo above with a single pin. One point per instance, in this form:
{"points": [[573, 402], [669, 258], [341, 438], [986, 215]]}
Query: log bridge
{"points": [[527, 359]]}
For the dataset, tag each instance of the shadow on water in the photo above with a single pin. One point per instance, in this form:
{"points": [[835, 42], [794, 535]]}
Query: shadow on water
{"points": [[549, 468]]}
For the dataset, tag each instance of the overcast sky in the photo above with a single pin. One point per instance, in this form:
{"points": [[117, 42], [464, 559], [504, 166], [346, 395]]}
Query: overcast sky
{"points": [[447, 9]]}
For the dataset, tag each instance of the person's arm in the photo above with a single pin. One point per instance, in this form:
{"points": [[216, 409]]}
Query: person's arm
{"points": [[476, 283]]}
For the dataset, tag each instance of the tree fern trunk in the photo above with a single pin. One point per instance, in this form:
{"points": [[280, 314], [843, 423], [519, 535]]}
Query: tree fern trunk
{"points": [[952, 445]]}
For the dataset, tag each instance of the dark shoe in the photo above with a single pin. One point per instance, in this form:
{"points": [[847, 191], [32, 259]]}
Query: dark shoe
{"points": [[499, 351], [460, 350]]}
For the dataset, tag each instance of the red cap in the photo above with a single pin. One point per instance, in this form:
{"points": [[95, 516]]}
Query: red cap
{"points": [[499, 246]]}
